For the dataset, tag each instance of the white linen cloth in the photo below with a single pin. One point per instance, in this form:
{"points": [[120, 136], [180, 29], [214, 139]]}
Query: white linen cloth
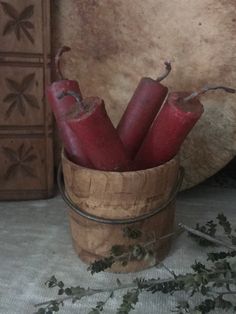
{"points": [[35, 244]]}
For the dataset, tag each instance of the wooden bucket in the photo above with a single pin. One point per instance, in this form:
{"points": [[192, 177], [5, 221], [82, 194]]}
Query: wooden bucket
{"points": [[102, 204]]}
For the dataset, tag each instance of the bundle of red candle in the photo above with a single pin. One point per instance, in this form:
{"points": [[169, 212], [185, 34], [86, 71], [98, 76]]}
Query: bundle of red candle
{"points": [[150, 132]]}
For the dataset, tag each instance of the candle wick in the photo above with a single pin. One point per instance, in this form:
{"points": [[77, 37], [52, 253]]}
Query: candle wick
{"points": [[58, 60], [166, 73], [77, 97], [208, 88]]}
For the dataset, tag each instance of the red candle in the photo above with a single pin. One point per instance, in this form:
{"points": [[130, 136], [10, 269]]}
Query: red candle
{"points": [[60, 108], [170, 128], [97, 135], [168, 131], [141, 111]]}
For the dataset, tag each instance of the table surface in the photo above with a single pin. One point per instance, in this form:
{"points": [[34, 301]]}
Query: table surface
{"points": [[35, 243]]}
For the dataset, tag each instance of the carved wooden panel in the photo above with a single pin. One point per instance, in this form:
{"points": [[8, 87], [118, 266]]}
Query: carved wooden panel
{"points": [[26, 154]]}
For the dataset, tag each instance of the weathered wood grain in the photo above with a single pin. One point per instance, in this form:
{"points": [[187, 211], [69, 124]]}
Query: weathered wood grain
{"points": [[123, 195]]}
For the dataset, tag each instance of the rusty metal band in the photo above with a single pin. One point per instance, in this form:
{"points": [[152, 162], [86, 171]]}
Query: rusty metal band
{"points": [[102, 220]]}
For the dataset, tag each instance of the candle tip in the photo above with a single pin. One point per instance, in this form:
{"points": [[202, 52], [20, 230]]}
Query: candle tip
{"points": [[59, 53], [166, 73], [168, 65]]}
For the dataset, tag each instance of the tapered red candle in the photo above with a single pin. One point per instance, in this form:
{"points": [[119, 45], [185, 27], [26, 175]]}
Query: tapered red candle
{"points": [[97, 135], [141, 111], [62, 107], [170, 128]]}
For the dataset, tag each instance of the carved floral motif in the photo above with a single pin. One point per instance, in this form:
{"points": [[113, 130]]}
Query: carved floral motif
{"points": [[18, 97], [19, 22], [21, 160]]}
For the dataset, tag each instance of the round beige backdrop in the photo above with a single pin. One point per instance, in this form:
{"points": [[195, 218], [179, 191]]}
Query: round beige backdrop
{"points": [[116, 42]]}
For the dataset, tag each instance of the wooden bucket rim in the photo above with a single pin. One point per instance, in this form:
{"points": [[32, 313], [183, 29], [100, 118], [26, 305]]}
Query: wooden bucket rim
{"points": [[175, 159]]}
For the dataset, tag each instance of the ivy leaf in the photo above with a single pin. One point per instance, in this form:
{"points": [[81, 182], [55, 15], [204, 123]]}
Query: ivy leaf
{"points": [[198, 267], [60, 291], [78, 291], [129, 301], [206, 306], [60, 284], [68, 291], [51, 282], [209, 228], [215, 256], [101, 265], [224, 223]]}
